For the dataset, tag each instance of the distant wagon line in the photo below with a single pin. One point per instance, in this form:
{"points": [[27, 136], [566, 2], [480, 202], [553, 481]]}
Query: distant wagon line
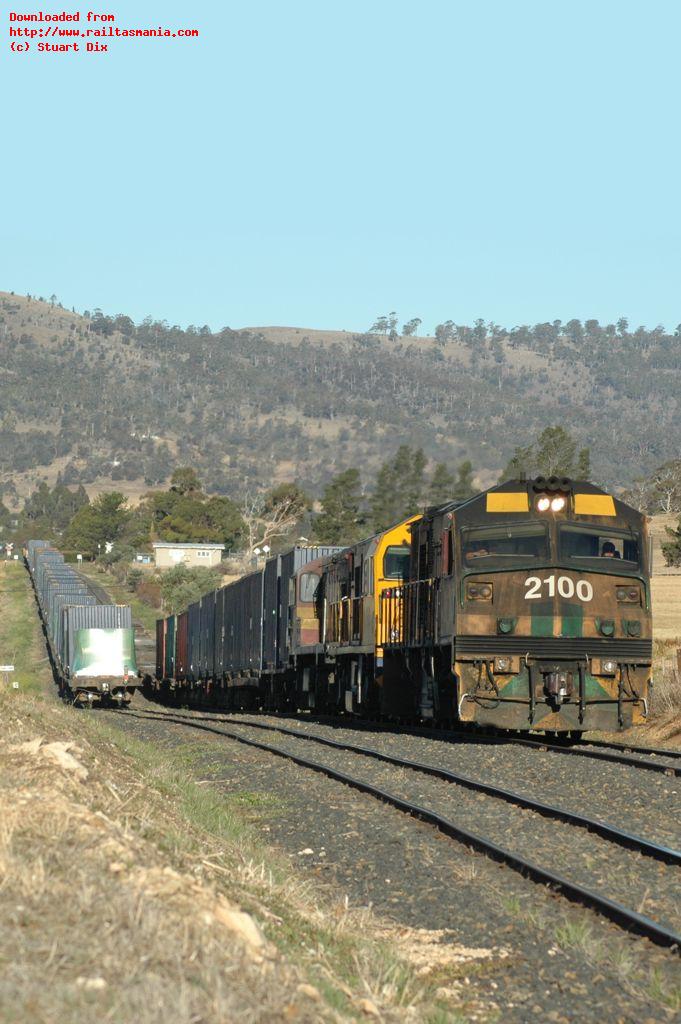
{"points": [[92, 644]]}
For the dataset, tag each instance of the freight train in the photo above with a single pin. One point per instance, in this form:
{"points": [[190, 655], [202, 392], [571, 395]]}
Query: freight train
{"points": [[526, 607], [92, 645]]}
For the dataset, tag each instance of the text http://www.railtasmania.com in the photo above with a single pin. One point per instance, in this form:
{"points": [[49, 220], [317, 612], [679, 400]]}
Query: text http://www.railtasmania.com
{"points": [[64, 32]]}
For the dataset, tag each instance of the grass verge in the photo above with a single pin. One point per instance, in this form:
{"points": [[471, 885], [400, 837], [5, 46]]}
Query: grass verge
{"points": [[21, 642]]}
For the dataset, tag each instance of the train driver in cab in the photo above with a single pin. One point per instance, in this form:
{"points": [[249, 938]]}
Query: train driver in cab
{"points": [[478, 549]]}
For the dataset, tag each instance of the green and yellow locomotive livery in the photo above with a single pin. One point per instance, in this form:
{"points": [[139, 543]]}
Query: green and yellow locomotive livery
{"points": [[355, 584], [526, 607]]}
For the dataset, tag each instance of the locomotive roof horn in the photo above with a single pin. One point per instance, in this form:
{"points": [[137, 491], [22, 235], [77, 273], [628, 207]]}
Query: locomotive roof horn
{"points": [[552, 484]]}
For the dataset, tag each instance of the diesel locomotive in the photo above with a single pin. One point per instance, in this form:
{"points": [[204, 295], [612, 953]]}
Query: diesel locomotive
{"points": [[525, 608]]}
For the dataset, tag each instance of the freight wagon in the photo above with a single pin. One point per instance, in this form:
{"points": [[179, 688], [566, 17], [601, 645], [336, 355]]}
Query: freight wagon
{"points": [[525, 607], [92, 645], [237, 647]]}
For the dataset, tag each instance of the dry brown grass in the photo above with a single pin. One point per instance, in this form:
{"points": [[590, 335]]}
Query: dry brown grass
{"points": [[109, 910], [130, 893], [95, 923], [665, 719], [667, 683], [666, 599]]}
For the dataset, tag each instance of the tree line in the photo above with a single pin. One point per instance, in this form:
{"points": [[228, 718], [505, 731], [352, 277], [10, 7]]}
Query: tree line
{"points": [[114, 401], [110, 529], [348, 508]]}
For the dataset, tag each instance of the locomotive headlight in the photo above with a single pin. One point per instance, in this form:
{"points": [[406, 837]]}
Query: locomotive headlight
{"points": [[543, 503], [502, 664], [479, 591], [628, 595], [558, 504], [608, 668]]}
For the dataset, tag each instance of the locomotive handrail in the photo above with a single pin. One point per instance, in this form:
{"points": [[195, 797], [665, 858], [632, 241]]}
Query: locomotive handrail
{"points": [[407, 613]]}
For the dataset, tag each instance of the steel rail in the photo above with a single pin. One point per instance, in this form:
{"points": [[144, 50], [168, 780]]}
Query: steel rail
{"points": [[626, 839], [624, 917], [599, 755], [473, 735], [578, 749], [628, 748]]}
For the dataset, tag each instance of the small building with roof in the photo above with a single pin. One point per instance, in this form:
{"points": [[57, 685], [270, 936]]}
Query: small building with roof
{"points": [[168, 554]]}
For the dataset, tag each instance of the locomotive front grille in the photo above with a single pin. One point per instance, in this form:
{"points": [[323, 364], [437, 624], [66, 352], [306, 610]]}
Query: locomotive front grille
{"points": [[630, 652]]}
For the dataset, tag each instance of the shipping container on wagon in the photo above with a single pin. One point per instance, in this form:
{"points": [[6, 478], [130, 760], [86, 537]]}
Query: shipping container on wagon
{"points": [[108, 617], [45, 561], [47, 555], [207, 636], [168, 668], [52, 583], [242, 623], [61, 601], [270, 621], [44, 554], [62, 588], [103, 653], [160, 648], [290, 562], [219, 639], [32, 547], [193, 641], [181, 646], [62, 581], [51, 577]]}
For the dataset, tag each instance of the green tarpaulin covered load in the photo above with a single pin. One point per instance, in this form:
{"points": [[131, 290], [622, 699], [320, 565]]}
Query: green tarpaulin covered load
{"points": [[104, 652]]}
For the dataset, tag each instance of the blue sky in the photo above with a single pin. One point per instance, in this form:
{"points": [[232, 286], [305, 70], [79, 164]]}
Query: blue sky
{"points": [[317, 164]]}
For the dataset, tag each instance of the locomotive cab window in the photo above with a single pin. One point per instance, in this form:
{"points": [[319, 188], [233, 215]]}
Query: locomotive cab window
{"points": [[396, 562], [369, 575], [505, 546], [309, 582], [598, 546]]}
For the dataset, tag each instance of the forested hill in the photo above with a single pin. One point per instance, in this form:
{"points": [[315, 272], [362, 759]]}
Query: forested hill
{"points": [[104, 402]]}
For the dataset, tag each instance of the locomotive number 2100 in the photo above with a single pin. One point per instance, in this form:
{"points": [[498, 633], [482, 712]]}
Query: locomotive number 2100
{"points": [[563, 585]]}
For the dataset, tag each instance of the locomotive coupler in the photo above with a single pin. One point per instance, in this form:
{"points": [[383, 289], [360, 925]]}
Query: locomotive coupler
{"points": [[558, 684]]}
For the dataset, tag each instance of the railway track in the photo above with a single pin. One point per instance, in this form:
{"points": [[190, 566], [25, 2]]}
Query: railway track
{"points": [[613, 752], [625, 917], [616, 755], [628, 748]]}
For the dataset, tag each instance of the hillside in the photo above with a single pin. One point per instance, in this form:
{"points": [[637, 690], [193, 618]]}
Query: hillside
{"points": [[106, 403]]}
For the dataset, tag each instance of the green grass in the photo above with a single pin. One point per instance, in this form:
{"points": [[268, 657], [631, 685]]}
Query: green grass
{"points": [[576, 936], [21, 638], [661, 991]]}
